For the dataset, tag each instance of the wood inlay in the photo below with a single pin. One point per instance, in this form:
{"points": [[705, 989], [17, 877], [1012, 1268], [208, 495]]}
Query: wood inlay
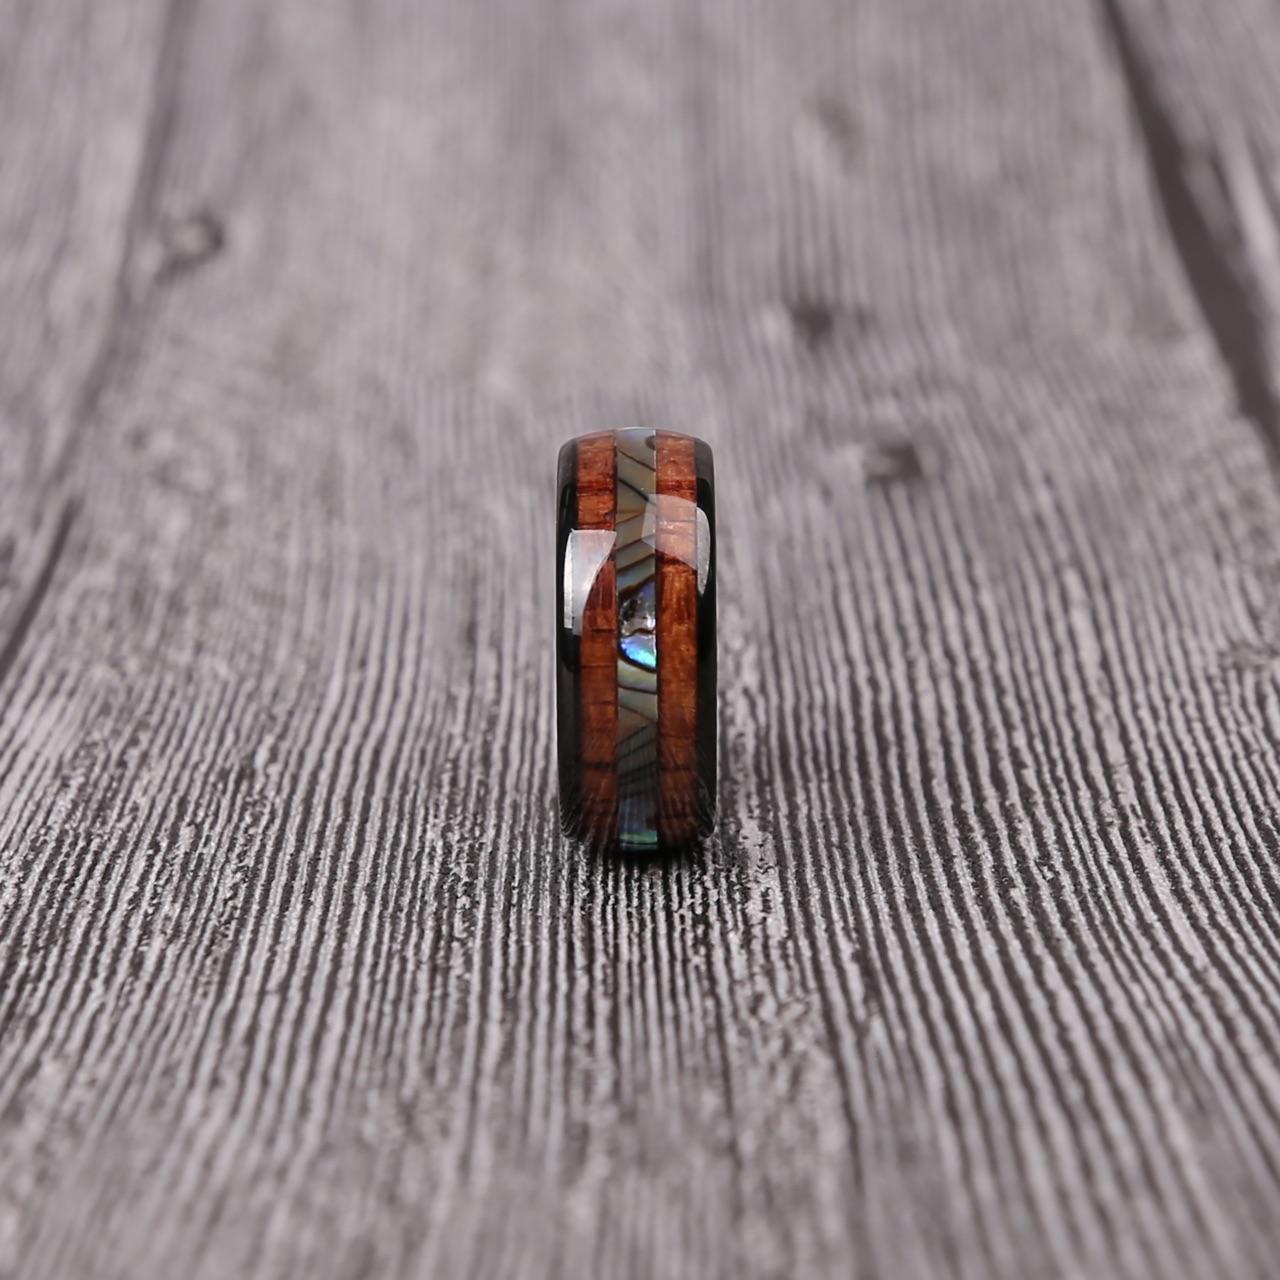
{"points": [[677, 532], [635, 559], [598, 652]]}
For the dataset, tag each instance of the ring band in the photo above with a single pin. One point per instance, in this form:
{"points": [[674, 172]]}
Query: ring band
{"points": [[636, 640]]}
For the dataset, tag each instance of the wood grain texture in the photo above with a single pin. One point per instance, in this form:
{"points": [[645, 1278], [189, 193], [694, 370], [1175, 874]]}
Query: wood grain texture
{"points": [[676, 535], [296, 976], [598, 660], [73, 206]]}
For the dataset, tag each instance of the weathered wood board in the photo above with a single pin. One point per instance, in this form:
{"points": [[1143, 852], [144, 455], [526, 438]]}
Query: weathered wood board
{"points": [[976, 302]]}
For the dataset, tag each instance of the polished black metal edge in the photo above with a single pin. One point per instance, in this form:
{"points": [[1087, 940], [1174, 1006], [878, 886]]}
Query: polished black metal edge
{"points": [[568, 732], [707, 695]]}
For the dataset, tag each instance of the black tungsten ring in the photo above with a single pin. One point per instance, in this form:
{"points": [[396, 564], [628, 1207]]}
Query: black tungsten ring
{"points": [[636, 640]]}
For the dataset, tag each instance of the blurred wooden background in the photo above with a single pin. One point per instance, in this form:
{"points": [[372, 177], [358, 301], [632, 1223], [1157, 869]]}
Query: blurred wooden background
{"points": [[976, 301]]}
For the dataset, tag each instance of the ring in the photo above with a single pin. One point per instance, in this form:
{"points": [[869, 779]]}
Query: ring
{"points": [[636, 640]]}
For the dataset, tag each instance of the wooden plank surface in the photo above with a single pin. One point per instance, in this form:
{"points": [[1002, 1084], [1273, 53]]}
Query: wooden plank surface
{"points": [[296, 976]]}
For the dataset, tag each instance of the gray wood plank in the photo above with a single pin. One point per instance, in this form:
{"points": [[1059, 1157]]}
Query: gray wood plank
{"points": [[979, 978]]}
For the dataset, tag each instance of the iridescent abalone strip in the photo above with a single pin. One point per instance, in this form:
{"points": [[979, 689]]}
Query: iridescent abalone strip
{"points": [[637, 656]]}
